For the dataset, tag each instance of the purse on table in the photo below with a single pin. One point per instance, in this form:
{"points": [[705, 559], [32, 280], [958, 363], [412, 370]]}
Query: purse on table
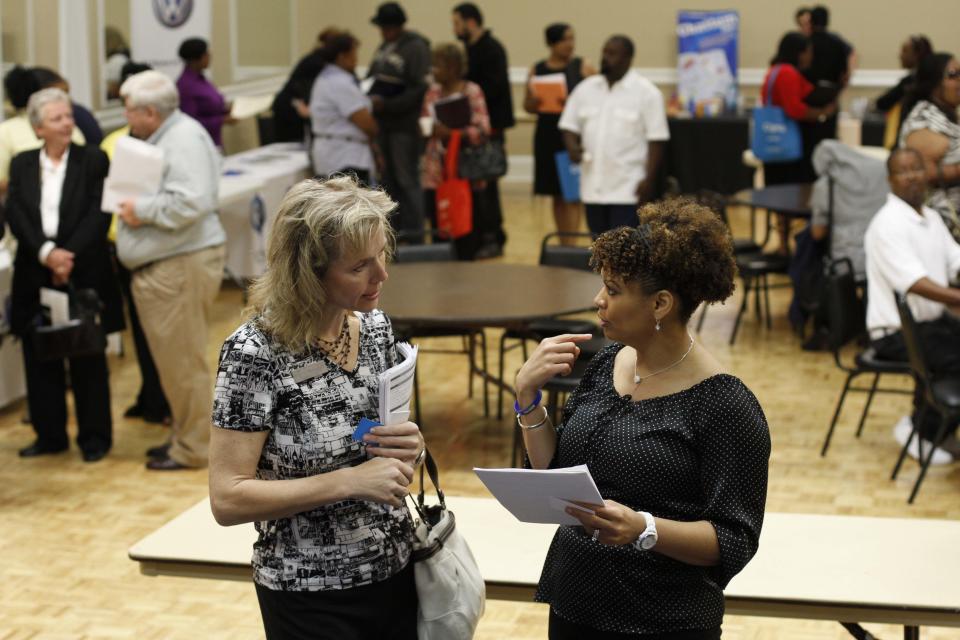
{"points": [[449, 585]]}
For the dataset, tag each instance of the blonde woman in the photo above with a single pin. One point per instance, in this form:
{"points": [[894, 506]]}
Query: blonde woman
{"points": [[332, 557]]}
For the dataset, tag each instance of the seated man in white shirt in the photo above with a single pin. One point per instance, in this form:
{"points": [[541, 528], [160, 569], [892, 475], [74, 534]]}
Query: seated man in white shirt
{"points": [[910, 250], [614, 125]]}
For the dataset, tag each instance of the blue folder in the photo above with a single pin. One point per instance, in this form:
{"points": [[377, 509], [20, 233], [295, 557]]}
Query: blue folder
{"points": [[569, 175]]}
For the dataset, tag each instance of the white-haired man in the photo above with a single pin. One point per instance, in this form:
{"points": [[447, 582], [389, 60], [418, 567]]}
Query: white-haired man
{"points": [[173, 243]]}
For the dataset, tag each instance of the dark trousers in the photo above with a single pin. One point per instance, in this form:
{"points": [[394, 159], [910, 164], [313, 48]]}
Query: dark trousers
{"points": [[401, 178], [488, 219], [941, 345], [603, 217], [47, 400], [561, 629], [151, 398], [384, 610]]}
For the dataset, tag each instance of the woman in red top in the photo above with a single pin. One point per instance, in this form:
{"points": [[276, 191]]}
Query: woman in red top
{"points": [[789, 90]]}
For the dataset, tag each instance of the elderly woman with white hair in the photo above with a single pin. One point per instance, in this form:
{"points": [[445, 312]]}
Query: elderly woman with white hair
{"points": [[53, 209], [173, 243], [332, 559]]}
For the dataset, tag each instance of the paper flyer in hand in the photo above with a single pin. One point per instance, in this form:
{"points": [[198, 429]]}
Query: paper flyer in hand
{"points": [[396, 386], [541, 495], [136, 170]]}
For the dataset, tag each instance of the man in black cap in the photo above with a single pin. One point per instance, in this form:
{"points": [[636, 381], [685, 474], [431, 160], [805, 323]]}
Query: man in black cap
{"points": [[487, 67], [399, 70]]}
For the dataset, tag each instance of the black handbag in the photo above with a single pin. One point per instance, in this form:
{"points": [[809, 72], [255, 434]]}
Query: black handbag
{"points": [[82, 336], [483, 161]]}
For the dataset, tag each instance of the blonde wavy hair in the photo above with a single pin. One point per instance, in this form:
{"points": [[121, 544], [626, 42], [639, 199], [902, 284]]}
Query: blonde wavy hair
{"points": [[318, 221]]}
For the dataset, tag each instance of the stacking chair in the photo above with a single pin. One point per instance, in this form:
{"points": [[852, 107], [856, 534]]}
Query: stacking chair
{"points": [[443, 252], [941, 392], [554, 255], [753, 265], [845, 315]]}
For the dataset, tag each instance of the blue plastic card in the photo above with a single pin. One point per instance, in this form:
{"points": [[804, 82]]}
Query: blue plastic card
{"points": [[363, 428]]}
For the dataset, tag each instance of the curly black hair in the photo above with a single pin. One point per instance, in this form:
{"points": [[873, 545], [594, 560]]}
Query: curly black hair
{"points": [[680, 246]]}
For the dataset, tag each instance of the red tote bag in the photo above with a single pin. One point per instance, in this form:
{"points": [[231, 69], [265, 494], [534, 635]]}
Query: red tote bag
{"points": [[454, 200]]}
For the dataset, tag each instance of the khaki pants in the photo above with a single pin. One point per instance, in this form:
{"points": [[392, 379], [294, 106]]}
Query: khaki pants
{"points": [[174, 297]]}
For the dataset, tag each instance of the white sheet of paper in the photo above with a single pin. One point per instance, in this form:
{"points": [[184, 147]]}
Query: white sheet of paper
{"points": [[250, 106], [136, 170], [59, 304], [396, 386], [541, 495]]}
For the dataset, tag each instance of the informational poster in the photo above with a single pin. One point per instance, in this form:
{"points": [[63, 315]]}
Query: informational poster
{"points": [[707, 60], [158, 27]]}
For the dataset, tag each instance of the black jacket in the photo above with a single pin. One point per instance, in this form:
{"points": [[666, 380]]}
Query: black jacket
{"points": [[287, 123], [487, 67], [82, 230], [399, 70]]}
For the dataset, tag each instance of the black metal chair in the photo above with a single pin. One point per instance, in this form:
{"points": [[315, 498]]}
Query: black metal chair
{"points": [[752, 264], [845, 315], [555, 255], [941, 392], [443, 252]]}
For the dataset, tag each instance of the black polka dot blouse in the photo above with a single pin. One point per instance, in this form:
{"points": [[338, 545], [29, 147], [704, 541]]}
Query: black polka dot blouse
{"points": [[699, 454]]}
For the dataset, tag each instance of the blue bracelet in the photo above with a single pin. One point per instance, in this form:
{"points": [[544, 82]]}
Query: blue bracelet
{"points": [[533, 405]]}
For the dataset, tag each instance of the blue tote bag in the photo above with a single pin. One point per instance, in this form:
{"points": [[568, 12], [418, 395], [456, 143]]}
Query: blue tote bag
{"points": [[569, 175], [775, 137]]}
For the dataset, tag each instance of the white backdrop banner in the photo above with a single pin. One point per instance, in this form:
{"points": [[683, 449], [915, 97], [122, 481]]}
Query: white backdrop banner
{"points": [[157, 27]]}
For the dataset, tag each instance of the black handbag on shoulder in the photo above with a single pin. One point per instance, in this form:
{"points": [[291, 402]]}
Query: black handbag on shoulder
{"points": [[82, 336], [484, 161]]}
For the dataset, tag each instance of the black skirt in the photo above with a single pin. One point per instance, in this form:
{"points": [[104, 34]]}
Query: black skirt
{"points": [[384, 610], [547, 141]]}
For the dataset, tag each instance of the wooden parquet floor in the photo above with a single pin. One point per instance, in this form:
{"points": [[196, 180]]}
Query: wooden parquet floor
{"points": [[66, 525]]}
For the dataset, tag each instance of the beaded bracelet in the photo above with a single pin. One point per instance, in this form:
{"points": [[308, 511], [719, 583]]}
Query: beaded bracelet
{"points": [[529, 409], [546, 416]]}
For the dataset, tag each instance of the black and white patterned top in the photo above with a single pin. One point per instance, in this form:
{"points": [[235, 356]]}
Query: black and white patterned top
{"points": [[699, 454], [946, 202], [311, 408]]}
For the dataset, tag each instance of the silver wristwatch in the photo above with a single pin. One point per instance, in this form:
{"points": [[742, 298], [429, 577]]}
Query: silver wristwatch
{"points": [[648, 539]]}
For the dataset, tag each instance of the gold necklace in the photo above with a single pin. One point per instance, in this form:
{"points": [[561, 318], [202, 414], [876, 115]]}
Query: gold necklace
{"points": [[638, 379]]}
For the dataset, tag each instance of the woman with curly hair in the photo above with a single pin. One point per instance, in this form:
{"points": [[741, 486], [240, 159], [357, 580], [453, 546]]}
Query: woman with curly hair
{"points": [[677, 447]]}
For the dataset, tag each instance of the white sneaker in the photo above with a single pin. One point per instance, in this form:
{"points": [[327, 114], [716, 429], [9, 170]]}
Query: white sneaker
{"points": [[901, 431]]}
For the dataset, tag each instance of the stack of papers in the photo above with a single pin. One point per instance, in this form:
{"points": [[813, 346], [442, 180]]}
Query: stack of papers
{"points": [[250, 106], [552, 91], [396, 386], [136, 170], [542, 495]]}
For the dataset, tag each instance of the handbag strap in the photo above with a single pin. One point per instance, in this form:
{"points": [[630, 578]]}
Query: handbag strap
{"points": [[431, 466], [768, 96], [450, 169]]}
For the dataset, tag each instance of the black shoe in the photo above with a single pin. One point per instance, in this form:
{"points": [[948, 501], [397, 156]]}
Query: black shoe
{"points": [[490, 250], [37, 449], [93, 455], [165, 464], [133, 411], [160, 451]]}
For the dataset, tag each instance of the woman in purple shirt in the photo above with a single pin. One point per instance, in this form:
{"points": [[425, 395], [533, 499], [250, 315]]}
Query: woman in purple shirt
{"points": [[199, 99]]}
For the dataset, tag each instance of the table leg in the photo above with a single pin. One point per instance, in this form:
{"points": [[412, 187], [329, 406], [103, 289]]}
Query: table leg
{"points": [[911, 632], [857, 631]]}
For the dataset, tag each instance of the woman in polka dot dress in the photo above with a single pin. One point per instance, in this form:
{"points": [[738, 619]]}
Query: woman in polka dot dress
{"points": [[678, 448]]}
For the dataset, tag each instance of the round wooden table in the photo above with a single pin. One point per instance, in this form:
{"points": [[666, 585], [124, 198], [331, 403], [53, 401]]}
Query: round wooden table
{"points": [[484, 294]]}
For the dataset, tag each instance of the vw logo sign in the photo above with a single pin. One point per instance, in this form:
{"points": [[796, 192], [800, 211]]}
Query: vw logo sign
{"points": [[172, 13]]}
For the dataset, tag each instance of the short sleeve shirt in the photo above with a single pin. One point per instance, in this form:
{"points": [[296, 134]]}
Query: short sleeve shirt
{"points": [[699, 454], [616, 125], [338, 143], [903, 247], [311, 407]]}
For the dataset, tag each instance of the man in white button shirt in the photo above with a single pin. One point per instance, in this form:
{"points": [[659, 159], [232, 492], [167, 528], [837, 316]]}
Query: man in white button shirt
{"points": [[910, 250], [614, 125]]}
